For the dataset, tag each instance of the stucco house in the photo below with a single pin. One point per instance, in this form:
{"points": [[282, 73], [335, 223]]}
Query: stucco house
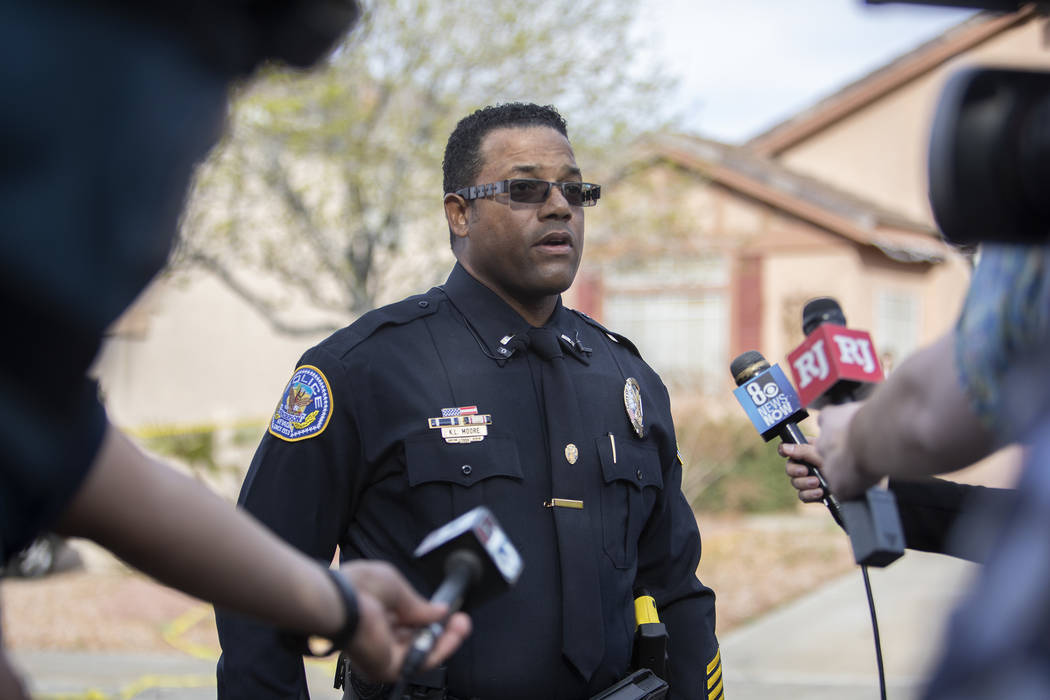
{"points": [[831, 202], [700, 250]]}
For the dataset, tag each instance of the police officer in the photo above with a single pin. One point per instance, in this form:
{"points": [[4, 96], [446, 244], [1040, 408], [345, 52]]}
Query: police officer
{"points": [[487, 390]]}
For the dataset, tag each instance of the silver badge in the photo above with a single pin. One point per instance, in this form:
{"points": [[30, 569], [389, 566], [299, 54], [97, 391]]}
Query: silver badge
{"points": [[632, 401], [571, 453]]}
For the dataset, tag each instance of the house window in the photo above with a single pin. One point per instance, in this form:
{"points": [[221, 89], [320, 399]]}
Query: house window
{"points": [[677, 312], [897, 326]]}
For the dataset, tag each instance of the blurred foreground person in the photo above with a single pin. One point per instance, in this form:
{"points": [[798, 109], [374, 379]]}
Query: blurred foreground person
{"points": [[106, 109], [980, 387], [929, 508]]}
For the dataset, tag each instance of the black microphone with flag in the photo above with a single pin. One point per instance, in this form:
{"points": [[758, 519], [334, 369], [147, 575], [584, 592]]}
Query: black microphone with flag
{"points": [[836, 365], [474, 560]]}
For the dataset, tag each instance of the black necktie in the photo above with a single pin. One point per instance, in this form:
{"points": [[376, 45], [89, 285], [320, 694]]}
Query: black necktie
{"points": [[583, 641]]}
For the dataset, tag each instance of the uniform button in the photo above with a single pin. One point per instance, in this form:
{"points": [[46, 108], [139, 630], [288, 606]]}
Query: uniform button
{"points": [[466, 469], [424, 304], [638, 474]]}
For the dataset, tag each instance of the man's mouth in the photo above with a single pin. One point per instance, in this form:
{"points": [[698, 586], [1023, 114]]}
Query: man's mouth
{"points": [[556, 241]]}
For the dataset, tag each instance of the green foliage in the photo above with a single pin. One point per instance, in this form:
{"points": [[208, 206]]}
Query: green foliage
{"points": [[206, 449], [194, 448], [729, 468]]}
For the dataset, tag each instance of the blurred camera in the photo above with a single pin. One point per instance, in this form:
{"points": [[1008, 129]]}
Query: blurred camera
{"points": [[989, 157]]}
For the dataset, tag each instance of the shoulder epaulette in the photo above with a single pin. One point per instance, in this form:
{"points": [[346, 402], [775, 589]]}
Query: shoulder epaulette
{"points": [[396, 314], [611, 335]]}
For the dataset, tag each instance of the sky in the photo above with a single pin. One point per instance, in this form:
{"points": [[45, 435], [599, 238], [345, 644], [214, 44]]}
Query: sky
{"points": [[745, 65]]}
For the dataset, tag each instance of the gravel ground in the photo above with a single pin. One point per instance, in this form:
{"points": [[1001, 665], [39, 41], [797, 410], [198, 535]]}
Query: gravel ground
{"points": [[753, 563]]}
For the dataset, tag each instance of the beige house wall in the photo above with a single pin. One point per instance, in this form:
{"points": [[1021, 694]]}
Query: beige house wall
{"points": [[856, 278], [880, 150], [790, 279], [703, 220], [201, 357]]}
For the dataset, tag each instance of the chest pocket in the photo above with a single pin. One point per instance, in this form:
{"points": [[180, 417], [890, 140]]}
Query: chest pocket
{"points": [[446, 480], [633, 480]]}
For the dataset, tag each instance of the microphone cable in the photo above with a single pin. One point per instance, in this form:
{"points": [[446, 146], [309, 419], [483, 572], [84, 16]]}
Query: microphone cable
{"points": [[875, 631]]}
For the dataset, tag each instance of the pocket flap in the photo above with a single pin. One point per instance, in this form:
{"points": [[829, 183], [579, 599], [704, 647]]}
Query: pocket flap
{"points": [[635, 463], [429, 458]]}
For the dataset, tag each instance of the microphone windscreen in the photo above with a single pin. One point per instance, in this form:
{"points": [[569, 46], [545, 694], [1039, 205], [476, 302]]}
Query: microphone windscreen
{"points": [[747, 365], [821, 310]]}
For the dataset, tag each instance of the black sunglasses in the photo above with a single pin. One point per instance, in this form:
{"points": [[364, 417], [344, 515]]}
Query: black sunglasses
{"points": [[529, 191]]}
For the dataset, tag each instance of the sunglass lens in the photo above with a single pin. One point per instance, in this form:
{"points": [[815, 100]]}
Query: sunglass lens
{"points": [[528, 191], [573, 192]]}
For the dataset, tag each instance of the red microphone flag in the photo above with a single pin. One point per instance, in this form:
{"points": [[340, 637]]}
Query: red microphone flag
{"points": [[830, 354]]}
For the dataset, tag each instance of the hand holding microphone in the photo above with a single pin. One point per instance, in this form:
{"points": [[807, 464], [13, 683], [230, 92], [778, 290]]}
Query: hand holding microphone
{"points": [[834, 367], [775, 409], [387, 607], [841, 469], [473, 559], [469, 559]]}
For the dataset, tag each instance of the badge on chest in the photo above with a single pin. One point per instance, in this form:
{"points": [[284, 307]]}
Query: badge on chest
{"points": [[632, 401]]}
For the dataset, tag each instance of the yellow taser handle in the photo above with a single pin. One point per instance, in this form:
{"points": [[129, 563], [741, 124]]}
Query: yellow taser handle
{"points": [[645, 610]]}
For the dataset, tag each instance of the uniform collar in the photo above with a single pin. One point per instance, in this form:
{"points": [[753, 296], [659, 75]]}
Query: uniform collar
{"points": [[496, 325]]}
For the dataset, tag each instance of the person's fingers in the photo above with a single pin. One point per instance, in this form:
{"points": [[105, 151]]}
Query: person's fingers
{"points": [[392, 590], [372, 649], [811, 495], [391, 613], [808, 453], [806, 483], [457, 629]]}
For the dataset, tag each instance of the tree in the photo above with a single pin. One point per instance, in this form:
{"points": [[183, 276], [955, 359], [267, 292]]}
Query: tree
{"points": [[324, 198]]}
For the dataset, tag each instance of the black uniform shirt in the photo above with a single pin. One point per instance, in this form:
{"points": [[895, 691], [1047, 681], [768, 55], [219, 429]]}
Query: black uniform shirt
{"points": [[376, 478]]}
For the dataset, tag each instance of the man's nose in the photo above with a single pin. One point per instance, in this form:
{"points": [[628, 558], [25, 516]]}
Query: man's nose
{"points": [[556, 205]]}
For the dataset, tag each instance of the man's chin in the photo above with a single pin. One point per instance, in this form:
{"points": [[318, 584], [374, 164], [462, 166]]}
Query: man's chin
{"points": [[553, 284], [557, 276]]}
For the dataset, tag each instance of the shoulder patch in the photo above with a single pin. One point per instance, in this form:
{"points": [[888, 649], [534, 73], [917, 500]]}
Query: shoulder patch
{"points": [[305, 406], [614, 337]]}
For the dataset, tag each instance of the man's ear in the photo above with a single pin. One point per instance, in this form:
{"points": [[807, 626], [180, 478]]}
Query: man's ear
{"points": [[456, 213]]}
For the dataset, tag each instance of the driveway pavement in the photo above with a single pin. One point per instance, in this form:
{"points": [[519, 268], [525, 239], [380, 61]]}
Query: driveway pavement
{"points": [[815, 648], [821, 646]]}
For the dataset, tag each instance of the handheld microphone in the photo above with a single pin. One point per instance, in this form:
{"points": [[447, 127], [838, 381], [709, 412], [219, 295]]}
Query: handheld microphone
{"points": [[836, 365], [774, 408], [474, 560]]}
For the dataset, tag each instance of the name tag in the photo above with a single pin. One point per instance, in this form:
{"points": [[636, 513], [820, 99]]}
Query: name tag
{"points": [[476, 432]]}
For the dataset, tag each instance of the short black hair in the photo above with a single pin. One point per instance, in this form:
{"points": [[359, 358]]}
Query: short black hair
{"points": [[463, 151]]}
